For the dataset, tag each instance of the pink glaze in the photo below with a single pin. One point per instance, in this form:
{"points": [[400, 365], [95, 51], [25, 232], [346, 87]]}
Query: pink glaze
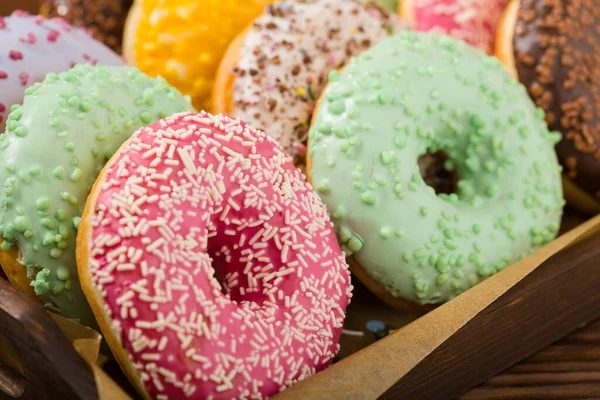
{"points": [[32, 46], [196, 199], [473, 21]]}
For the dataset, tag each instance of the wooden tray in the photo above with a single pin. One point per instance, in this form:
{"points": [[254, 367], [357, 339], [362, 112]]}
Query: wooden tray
{"points": [[555, 300], [567, 369]]}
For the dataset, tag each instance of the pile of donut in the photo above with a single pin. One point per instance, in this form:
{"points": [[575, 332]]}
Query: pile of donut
{"points": [[204, 205]]}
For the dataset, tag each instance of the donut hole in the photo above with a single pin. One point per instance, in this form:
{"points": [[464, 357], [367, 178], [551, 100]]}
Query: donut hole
{"points": [[432, 166], [221, 275]]}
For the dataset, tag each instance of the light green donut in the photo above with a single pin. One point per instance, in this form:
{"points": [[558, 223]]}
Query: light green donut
{"points": [[55, 145], [416, 93]]}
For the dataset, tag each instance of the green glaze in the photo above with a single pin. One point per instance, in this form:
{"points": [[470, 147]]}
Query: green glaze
{"points": [[418, 93], [55, 145]]}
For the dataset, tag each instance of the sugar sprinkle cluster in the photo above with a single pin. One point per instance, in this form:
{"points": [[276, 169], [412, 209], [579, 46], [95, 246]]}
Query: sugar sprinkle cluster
{"points": [[217, 262]]}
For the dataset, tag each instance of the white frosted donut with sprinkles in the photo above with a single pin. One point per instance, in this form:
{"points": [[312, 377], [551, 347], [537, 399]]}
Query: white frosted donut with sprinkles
{"points": [[210, 264], [32, 46], [274, 72]]}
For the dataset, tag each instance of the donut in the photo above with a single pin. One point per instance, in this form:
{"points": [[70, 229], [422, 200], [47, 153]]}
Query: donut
{"points": [[418, 93], [274, 72], [550, 46], [474, 21], [210, 263], [159, 36], [104, 18], [31, 47], [55, 145]]}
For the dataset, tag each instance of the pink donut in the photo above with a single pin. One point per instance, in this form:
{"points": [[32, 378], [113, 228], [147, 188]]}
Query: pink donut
{"points": [[210, 263], [473, 21], [32, 46]]}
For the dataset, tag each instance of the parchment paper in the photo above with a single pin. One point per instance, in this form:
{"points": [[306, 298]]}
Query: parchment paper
{"points": [[368, 373]]}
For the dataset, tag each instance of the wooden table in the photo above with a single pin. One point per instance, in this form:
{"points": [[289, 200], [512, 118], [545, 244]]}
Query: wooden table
{"points": [[568, 369]]}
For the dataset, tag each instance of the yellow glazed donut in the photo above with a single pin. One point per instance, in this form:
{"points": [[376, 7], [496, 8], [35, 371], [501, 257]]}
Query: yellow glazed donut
{"points": [[184, 40]]}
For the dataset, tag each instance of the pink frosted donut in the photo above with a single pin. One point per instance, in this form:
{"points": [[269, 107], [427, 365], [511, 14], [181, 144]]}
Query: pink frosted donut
{"points": [[32, 46], [473, 21], [210, 263]]}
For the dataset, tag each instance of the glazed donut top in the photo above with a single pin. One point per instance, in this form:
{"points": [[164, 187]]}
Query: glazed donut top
{"points": [[473, 21], [416, 93], [104, 18], [54, 147], [288, 53], [31, 46], [195, 198], [557, 56], [184, 40]]}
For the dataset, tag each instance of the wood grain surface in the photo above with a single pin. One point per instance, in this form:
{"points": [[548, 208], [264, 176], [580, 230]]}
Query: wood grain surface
{"points": [[568, 369], [52, 368], [554, 300]]}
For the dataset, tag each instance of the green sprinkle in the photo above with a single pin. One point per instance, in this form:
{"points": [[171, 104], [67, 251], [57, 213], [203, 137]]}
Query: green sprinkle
{"points": [[442, 279], [491, 190], [49, 238], [406, 256], [355, 243], [43, 203], [58, 288], [56, 253], [55, 123], [146, 117], [386, 232], [420, 253], [345, 234], [49, 223], [323, 186], [22, 223], [76, 222], [85, 106], [60, 215], [59, 172], [20, 131], [337, 107], [35, 171], [387, 157], [70, 147], [76, 175], [423, 211], [450, 244], [369, 197], [73, 101]]}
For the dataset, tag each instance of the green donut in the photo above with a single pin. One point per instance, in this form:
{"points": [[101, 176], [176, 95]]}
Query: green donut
{"points": [[55, 145], [416, 93]]}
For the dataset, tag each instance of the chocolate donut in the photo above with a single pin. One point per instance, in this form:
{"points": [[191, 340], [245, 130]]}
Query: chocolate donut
{"points": [[556, 48], [104, 18]]}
